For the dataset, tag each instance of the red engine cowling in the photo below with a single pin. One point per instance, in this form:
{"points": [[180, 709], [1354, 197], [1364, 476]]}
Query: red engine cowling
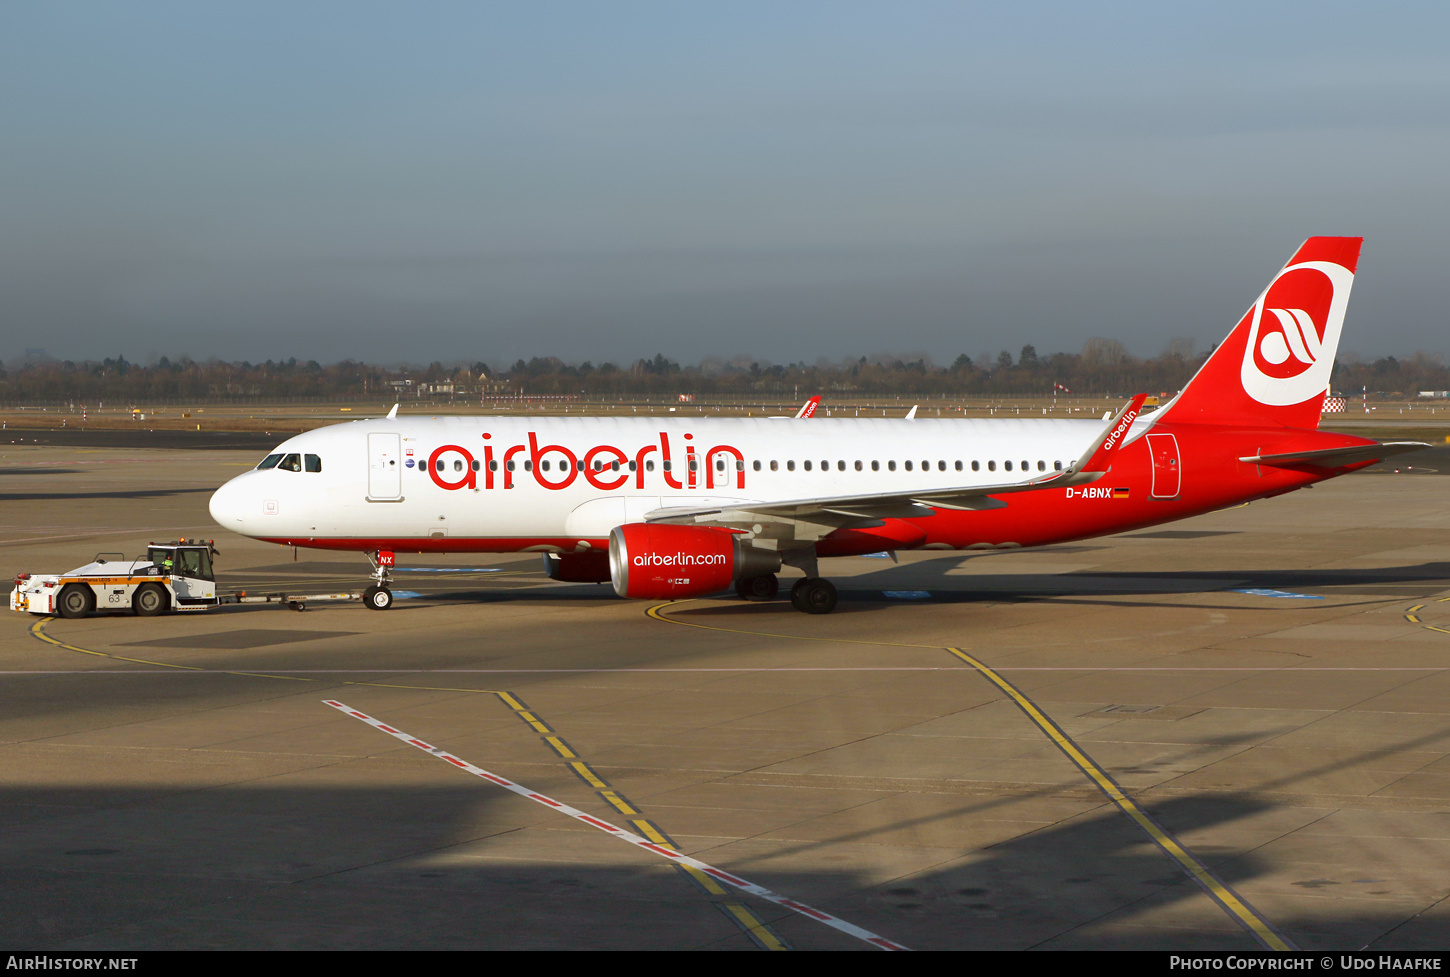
{"points": [[590, 567], [654, 562]]}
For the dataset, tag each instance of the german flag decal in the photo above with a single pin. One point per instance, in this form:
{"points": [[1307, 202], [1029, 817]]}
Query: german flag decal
{"points": [[1120, 493]]}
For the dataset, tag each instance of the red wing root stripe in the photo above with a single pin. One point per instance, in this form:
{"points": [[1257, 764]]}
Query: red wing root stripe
{"points": [[850, 929]]}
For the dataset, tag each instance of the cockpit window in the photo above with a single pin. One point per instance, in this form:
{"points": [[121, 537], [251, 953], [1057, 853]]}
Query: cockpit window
{"points": [[292, 463], [314, 463], [269, 462]]}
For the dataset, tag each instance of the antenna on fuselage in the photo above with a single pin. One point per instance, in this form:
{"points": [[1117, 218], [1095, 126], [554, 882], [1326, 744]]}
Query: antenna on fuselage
{"points": [[393, 414]]}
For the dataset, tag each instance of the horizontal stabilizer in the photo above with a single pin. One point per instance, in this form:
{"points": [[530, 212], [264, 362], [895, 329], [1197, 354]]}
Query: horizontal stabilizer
{"points": [[1336, 457]]}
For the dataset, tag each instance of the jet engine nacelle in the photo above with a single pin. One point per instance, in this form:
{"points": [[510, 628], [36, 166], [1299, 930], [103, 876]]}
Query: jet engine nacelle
{"points": [[654, 562], [590, 567]]}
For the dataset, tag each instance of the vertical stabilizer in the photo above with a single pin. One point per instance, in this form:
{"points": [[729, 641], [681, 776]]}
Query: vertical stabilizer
{"points": [[1273, 369]]}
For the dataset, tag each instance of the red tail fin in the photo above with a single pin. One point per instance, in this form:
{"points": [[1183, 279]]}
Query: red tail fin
{"points": [[1273, 369]]}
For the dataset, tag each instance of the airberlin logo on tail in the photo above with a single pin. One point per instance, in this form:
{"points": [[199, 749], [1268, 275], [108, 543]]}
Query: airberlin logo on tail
{"points": [[1294, 332]]}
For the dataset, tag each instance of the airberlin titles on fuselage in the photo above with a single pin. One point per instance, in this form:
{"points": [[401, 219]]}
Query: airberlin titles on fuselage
{"points": [[603, 466]]}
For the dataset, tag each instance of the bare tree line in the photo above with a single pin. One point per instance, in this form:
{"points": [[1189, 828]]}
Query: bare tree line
{"points": [[1104, 366]]}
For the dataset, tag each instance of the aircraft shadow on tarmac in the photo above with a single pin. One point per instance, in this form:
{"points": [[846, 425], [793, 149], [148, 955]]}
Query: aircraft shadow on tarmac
{"points": [[272, 868], [867, 592]]}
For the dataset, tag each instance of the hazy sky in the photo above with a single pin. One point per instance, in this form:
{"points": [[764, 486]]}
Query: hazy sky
{"points": [[608, 180]]}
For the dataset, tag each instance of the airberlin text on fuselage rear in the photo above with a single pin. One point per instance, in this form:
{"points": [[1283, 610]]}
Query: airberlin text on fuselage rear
{"points": [[603, 466]]}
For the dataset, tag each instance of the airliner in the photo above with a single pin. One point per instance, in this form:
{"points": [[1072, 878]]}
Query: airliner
{"points": [[680, 508]]}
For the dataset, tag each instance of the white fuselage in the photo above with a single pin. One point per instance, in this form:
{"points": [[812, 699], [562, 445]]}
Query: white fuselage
{"points": [[508, 484]]}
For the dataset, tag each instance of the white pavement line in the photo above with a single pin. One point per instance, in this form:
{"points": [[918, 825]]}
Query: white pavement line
{"points": [[849, 929]]}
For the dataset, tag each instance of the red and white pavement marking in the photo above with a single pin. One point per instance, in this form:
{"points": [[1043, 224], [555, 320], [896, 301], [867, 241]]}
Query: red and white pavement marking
{"points": [[849, 929]]}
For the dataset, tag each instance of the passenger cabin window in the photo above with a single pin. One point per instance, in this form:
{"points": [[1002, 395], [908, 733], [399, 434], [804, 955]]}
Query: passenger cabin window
{"points": [[891, 466], [908, 466], [774, 466], [991, 466], [807, 465], [876, 466], [649, 466], [269, 462], [976, 466], [959, 466], [858, 466], [1057, 466], [757, 466], [790, 466], [1042, 466], [1007, 465]]}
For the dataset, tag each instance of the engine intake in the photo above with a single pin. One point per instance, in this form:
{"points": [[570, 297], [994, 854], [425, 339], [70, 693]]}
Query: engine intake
{"points": [[651, 561]]}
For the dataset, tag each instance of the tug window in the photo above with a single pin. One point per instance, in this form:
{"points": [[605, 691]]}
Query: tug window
{"points": [[314, 463], [268, 462]]}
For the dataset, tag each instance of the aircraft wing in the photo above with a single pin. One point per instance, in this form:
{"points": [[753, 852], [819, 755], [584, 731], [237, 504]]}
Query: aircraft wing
{"points": [[839, 510], [1336, 457]]}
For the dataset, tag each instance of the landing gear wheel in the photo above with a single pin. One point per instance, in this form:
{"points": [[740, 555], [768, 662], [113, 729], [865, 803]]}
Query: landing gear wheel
{"points": [[761, 588], [814, 595], [378, 598], [150, 600], [76, 600]]}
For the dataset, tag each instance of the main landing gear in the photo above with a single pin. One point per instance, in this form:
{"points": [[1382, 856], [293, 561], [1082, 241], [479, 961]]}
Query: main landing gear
{"points": [[378, 596], [812, 595]]}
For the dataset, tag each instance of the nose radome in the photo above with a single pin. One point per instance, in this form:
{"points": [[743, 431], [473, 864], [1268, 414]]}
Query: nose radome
{"points": [[226, 505]]}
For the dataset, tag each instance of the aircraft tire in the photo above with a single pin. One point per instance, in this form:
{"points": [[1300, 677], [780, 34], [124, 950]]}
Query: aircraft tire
{"points": [[762, 588], [814, 596], [149, 600], [378, 598], [76, 600]]}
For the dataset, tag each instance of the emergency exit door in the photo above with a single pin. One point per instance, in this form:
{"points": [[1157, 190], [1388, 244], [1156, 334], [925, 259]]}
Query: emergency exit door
{"points": [[1167, 469], [385, 467]]}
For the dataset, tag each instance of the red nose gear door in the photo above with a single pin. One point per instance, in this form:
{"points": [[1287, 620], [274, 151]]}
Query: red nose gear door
{"points": [[1167, 471]]}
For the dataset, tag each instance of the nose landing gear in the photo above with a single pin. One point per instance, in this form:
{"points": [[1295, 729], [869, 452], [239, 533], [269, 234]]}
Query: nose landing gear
{"points": [[378, 596]]}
